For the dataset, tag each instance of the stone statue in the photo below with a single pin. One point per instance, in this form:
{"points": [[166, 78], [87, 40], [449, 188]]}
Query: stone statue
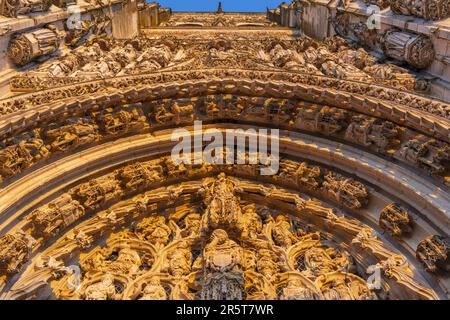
{"points": [[14, 253], [434, 253], [348, 192], [396, 220], [154, 291], [223, 259], [180, 260], [103, 290], [72, 134], [57, 215], [282, 234]]}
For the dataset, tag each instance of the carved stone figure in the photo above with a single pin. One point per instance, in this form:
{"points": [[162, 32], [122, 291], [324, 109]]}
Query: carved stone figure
{"points": [[321, 261], [180, 260], [267, 263], [368, 131], [434, 253], [122, 120], [342, 286], [14, 253], [175, 111], [223, 259], [222, 205], [97, 192], [295, 290], [154, 291], [395, 220], [72, 134], [348, 192], [358, 58], [155, 230], [427, 9], [282, 234], [251, 223], [401, 78], [103, 290], [21, 152], [127, 261], [321, 119], [431, 155], [221, 253], [192, 224], [139, 176], [11, 8], [342, 71], [57, 215]]}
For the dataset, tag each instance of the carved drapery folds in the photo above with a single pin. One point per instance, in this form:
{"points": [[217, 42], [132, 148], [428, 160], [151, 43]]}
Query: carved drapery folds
{"points": [[25, 47], [97, 125], [98, 192], [434, 253], [73, 132], [426, 9], [415, 49]]}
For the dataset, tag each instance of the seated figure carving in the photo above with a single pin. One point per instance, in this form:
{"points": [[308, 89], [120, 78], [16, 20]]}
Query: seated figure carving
{"points": [[72, 134], [434, 253], [57, 215]]}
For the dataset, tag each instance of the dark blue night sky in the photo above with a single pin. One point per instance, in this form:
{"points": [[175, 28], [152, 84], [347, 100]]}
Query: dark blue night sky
{"points": [[227, 5]]}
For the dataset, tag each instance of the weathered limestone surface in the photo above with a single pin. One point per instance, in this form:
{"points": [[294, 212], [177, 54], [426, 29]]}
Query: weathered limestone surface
{"points": [[357, 208]]}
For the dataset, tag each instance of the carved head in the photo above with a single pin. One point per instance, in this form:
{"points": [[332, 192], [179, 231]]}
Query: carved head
{"points": [[219, 236]]}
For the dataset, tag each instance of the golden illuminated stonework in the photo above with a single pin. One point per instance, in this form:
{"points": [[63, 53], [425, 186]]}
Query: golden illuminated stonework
{"points": [[94, 206]]}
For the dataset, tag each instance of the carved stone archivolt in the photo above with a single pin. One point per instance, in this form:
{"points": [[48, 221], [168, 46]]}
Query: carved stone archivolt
{"points": [[251, 252], [105, 58], [96, 125]]}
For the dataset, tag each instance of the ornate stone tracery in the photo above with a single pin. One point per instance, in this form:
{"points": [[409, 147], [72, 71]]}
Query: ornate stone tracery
{"points": [[93, 207]]}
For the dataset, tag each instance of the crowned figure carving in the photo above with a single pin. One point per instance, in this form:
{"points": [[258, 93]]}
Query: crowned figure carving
{"points": [[223, 208]]}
